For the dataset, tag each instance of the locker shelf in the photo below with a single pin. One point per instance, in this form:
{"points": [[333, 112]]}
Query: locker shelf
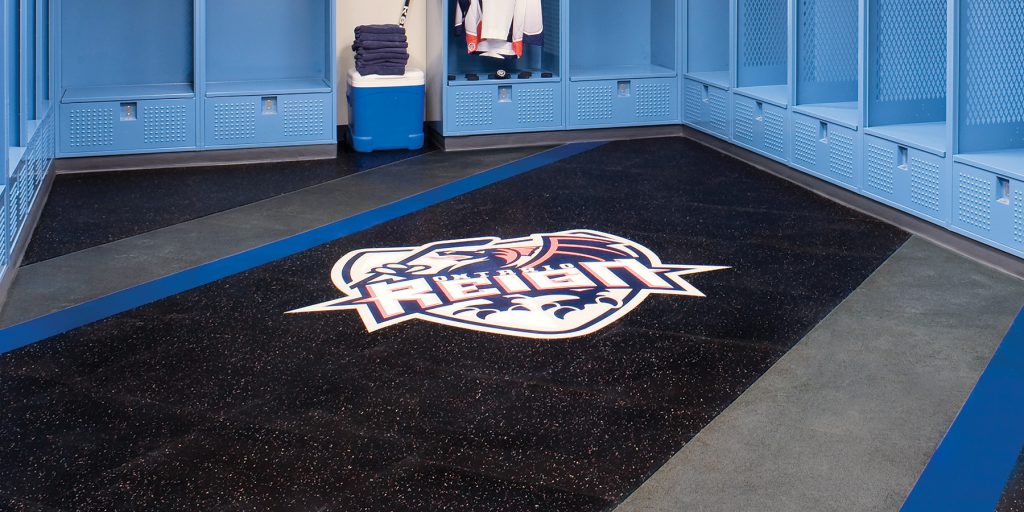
{"points": [[930, 137], [1008, 162], [774, 94], [461, 80], [256, 87], [841, 113], [621, 71], [127, 92], [716, 78]]}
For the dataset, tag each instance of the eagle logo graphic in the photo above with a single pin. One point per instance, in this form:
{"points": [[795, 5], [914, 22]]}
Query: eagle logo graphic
{"points": [[543, 286]]}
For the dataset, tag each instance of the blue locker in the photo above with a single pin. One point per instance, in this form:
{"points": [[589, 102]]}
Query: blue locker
{"points": [[474, 101], [126, 84], [707, 107], [708, 41], [827, 61], [760, 126], [143, 76], [991, 86], [268, 73], [623, 68], [827, 150]]}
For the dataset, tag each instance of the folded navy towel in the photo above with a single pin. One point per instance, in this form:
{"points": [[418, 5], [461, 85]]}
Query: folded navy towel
{"points": [[382, 55], [379, 29], [381, 51], [370, 36], [379, 45], [382, 63], [380, 70]]}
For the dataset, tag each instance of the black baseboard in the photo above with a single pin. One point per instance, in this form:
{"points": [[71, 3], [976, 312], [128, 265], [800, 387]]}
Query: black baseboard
{"points": [[518, 140]]}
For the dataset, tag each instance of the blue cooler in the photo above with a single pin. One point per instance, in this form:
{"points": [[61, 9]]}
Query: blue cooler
{"points": [[385, 112]]}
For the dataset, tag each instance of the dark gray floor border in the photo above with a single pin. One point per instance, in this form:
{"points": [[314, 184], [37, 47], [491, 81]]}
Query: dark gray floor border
{"points": [[529, 139], [938, 235], [25, 236], [195, 159]]}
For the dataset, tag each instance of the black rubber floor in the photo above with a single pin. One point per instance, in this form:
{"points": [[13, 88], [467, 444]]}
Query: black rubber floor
{"points": [[1013, 496], [216, 399], [86, 210]]}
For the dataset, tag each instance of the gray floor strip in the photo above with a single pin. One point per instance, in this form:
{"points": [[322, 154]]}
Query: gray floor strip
{"points": [[850, 417], [55, 284]]}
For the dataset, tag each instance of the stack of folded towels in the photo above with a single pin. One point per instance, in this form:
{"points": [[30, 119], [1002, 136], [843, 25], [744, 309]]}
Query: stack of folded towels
{"points": [[381, 50]]}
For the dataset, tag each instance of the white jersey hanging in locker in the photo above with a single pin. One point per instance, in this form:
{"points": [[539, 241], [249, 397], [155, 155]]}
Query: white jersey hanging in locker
{"points": [[500, 28]]}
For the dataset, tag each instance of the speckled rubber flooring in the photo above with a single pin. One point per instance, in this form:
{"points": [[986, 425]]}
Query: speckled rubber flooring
{"points": [[215, 399], [1013, 495]]}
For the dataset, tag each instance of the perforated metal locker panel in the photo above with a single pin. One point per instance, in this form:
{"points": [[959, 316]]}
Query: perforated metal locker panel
{"points": [[250, 121], [494, 108], [5, 238], [760, 126], [904, 177], [827, 150], [989, 206], [608, 103], [127, 126], [707, 107]]}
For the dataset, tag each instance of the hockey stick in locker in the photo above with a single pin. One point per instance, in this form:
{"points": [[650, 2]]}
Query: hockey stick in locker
{"points": [[405, 14]]}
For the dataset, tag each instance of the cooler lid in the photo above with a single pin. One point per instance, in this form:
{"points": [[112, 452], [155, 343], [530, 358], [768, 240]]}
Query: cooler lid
{"points": [[412, 77]]}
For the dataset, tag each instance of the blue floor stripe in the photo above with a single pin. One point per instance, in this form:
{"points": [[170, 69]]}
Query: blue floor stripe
{"points": [[971, 467], [29, 332]]}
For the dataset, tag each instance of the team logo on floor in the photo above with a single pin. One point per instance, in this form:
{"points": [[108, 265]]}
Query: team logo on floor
{"points": [[546, 286]]}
